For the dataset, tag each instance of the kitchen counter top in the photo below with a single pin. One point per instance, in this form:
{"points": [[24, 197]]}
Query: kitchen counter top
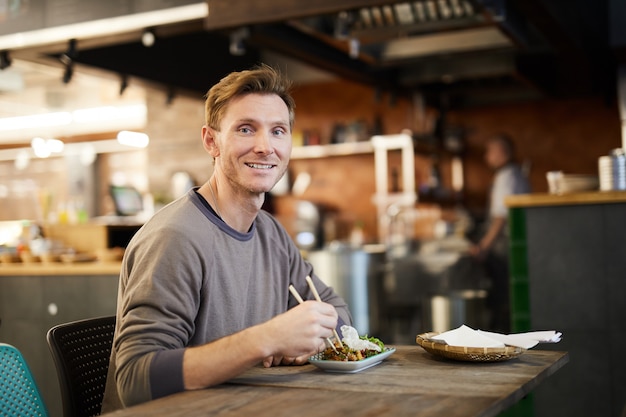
{"points": [[545, 199], [60, 268]]}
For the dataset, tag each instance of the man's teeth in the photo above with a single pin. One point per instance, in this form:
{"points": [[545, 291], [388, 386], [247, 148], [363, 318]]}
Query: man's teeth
{"points": [[259, 166]]}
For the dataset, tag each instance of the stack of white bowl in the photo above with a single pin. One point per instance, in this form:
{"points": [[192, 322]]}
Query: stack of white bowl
{"points": [[612, 170], [618, 157], [605, 172]]}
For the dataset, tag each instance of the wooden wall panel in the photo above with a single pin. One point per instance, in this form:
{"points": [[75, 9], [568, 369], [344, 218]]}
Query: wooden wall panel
{"points": [[566, 135]]}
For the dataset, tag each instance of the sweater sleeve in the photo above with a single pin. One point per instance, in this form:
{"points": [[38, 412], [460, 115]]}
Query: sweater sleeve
{"points": [[157, 308]]}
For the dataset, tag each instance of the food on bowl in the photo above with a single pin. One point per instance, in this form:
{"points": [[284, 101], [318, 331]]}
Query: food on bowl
{"points": [[353, 347]]}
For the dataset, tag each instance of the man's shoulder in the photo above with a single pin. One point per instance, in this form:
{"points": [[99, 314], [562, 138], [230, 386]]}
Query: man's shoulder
{"points": [[513, 175]]}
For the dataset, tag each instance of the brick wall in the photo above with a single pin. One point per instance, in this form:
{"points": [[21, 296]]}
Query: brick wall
{"points": [[565, 135]]}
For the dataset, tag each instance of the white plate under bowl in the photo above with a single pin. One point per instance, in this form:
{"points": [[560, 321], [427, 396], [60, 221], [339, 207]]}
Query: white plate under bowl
{"points": [[350, 366]]}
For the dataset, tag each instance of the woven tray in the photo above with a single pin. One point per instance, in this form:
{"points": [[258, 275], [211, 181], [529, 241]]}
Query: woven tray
{"points": [[468, 354]]}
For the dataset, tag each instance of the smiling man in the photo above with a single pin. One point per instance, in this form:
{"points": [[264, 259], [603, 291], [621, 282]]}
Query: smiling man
{"points": [[204, 288]]}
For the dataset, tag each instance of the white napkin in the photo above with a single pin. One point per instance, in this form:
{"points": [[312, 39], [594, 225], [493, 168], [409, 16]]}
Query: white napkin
{"points": [[525, 340], [353, 341], [468, 337]]}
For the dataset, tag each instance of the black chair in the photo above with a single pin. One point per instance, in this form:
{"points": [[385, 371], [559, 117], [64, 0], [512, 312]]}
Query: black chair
{"points": [[81, 352]]}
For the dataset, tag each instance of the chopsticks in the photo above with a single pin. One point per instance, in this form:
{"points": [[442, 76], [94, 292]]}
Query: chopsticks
{"points": [[317, 297], [297, 296]]}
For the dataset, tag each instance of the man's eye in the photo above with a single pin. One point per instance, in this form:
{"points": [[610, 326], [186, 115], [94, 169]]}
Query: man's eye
{"points": [[245, 130]]}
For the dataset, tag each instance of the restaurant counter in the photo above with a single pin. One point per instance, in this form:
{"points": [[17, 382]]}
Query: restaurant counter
{"points": [[545, 199], [567, 268], [59, 268]]}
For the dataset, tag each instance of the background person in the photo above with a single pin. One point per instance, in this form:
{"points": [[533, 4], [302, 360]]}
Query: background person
{"points": [[204, 287], [493, 248]]}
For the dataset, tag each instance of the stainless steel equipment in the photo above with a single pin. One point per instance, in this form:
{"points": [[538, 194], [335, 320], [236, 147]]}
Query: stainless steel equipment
{"points": [[356, 275], [309, 225]]}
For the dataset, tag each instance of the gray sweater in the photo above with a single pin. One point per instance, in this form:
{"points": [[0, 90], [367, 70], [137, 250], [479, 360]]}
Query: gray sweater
{"points": [[187, 279]]}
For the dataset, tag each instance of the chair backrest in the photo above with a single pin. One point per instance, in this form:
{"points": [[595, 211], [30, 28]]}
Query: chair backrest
{"points": [[81, 352], [19, 395]]}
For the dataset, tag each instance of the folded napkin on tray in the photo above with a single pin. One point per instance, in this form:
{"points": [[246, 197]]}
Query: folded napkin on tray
{"points": [[468, 337]]}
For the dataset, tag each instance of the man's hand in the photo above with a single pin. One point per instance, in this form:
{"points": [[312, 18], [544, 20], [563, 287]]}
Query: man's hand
{"points": [[300, 332]]}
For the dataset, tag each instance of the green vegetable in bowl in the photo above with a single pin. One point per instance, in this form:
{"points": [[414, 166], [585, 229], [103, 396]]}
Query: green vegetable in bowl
{"points": [[376, 341]]}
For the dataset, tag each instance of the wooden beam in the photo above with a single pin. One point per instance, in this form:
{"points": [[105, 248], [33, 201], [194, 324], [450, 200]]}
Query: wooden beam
{"points": [[291, 42], [233, 13]]}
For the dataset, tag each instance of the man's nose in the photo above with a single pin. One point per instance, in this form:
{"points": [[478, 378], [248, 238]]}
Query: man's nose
{"points": [[263, 143]]}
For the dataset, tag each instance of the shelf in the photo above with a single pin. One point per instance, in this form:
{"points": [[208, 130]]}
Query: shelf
{"points": [[338, 149]]}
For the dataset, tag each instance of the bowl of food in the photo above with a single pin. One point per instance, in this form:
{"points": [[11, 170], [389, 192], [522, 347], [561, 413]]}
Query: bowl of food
{"points": [[352, 354]]}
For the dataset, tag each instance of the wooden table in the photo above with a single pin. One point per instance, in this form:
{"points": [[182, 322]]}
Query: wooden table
{"points": [[409, 383]]}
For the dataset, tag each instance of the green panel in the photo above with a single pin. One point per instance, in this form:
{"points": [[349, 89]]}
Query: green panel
{"points": [[520, 301], [523, 408], [518, 265], [517, 224]]}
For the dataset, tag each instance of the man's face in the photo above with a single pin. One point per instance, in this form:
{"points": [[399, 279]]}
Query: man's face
{"points": [[253, 145], [495, 156]]}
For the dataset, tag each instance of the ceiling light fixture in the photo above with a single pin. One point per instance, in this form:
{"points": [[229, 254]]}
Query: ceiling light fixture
{"points": [[237, 41], [108, 113], [77, 148], [148, 37], [5, 60], [92, 115], [134, 139], [43, 148], [35, 121]]}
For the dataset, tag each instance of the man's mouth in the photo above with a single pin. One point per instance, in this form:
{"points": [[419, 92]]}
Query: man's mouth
{"points": [[260, 166]]}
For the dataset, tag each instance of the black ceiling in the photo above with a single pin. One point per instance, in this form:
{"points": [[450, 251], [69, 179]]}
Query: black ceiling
{"points": [[559, 48]]}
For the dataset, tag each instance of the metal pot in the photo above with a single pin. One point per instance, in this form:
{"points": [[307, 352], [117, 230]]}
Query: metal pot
{"points": [[355, 274]]}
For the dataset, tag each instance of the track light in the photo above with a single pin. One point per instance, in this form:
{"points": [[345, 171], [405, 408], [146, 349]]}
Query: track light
{"points": [[148, 37], [169, 99], [67, 58], [343, 21], [70, 54], [355, 48], [123, 84], [237, 41], [5, 60], [68, 73]]}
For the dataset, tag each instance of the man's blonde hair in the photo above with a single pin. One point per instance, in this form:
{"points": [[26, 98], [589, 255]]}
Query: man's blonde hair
{"points": [[261, 79]]}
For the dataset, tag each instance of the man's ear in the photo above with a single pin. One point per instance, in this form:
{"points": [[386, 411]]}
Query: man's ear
{"points": [[209, 141]]}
